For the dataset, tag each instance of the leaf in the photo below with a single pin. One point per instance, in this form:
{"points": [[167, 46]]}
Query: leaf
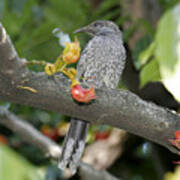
{"points": [[105, 7], [142, 45], [168, 50], [145, 55], [13, 166], [173, 176], [68, 15], [150, 73], [2, 3]]}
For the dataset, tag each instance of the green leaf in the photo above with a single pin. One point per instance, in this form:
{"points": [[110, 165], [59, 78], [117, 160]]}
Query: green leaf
{"points": [[150, 73], [68, 15], [145, 55], [13, 166], [2, 4], [141, 46], [168, 50], [105, 6]]}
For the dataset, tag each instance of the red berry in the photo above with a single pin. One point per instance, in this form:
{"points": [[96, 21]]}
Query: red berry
{"points": [[102, 135], [81, 94], [177, 135], [49, 132], [3, 139]]}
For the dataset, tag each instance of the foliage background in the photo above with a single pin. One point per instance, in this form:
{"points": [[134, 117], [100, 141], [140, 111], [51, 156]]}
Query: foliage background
{"points": [[30, 24]]}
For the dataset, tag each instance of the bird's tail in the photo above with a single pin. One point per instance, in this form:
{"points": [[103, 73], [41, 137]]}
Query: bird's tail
{"points": [[73, 145]]}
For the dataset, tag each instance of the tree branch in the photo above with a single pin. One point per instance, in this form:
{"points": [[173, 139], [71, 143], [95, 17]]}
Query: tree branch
{"points": [[29, 133], [88, 173], [50, 148], [118, 108]]}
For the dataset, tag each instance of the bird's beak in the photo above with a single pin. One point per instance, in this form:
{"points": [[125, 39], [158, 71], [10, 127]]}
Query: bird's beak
{"points": [[83, 29]]}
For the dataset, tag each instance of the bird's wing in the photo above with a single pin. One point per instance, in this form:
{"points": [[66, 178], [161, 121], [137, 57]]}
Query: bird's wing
{"points": [[101, 62], [92, 58], [86, 55]]}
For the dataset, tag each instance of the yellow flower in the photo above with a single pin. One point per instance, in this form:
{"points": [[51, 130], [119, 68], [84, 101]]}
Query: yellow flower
{"points": [[71, 52], [50, 69]]}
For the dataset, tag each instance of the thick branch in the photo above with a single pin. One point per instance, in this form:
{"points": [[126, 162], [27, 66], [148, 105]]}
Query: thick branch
{"points": [[33, 136], [118, 108]]}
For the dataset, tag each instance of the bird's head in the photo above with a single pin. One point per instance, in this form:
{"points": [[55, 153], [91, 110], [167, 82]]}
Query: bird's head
{"points": [[99, 27]]}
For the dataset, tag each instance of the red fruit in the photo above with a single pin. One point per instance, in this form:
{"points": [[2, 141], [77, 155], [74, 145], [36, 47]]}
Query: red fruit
{"points": [[50, 132], [176, 162], [83, 95], [102, 135], [177, 135], [3, 139]]}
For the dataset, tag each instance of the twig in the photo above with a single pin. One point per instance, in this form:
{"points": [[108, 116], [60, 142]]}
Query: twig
{"points": [[36, 62], [29, 133], [89, 173]]}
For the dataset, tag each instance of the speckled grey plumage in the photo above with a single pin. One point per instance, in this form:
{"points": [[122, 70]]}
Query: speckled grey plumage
{"points": [[101, 64], [102, 61]]}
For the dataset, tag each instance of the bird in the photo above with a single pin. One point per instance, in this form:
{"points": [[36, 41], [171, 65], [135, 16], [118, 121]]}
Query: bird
{"points": [[100, 65]]}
